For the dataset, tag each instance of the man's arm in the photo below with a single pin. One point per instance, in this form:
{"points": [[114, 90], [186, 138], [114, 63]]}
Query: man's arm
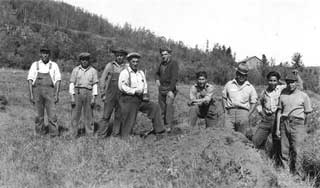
{"points": [[253, 100], [157, 76], [31, 77], [105, 77], [31, 91], [174, 76]]}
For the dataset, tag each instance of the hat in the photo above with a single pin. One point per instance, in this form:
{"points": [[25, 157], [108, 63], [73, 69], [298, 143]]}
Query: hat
{"points": [[132, 55], [119, 51], [162, 49], [291, 77], [84, 55], [44, 49], [243, 68]]}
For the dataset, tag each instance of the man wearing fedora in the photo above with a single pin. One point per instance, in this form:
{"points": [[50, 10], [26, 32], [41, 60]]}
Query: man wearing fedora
{"points": [[166, 80], [239, 98], [110, 93], [44, 79], [294, 106], [83, 89], [133, 86]]}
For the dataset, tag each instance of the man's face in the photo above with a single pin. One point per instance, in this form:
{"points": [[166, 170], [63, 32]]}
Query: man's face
{"points": [[134, 62], [202, 81], [165, 55], [84, 62], [291, 85], [44, 57], [272, 82], [241, 78], [119, 58]]}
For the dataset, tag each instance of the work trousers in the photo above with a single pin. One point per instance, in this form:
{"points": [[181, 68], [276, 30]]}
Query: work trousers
{"points": [[265, 128], [111, 104], [167, 108], [292, 132], [130, 105], [209, 112], [43, 91], [237, 119], [83, 98]]}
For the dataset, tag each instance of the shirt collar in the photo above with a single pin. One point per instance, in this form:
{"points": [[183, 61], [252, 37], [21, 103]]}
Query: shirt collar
{"points": [[85, 70], [44, 63], [246, 83]]}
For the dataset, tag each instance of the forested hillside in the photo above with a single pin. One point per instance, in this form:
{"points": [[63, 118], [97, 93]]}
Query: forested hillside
{"points": [[68, 30]]}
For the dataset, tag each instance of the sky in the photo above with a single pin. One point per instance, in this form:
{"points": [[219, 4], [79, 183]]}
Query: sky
{"points": [[276, 28]]}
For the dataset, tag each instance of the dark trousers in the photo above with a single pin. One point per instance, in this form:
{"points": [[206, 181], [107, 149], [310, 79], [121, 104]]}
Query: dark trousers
{"points": [[130, 105], [265, 128], [43, 92], [207, 112], [83, 103], [292, 132], [167, 109]]}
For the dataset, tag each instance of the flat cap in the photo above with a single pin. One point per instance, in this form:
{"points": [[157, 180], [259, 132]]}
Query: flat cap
{"points": [[84, 55], [291, 77], [168, 49], [132, 55], [243, 68], [119, 51], [44, 49]]}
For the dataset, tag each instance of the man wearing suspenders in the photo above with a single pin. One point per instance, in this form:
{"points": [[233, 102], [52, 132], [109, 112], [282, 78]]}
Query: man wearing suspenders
{"points": [[110, 93], [133, 87], [44, 79], [83, 89]]}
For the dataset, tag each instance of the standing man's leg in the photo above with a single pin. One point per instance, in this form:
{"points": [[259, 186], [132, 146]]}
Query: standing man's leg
{"points": [[263, 131], [243, 121], [285, 146], [298, 133], [169, 110], [162, 103], [117, 119], [88, 112], [50, 109], [109, 105], [129, 106], [212, 115], [76, 114], [154, 113], [40, 104], [229, 119]]}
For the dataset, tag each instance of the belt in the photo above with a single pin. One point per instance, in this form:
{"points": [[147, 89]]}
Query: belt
{"points": [[291, 118], [238, 108]]}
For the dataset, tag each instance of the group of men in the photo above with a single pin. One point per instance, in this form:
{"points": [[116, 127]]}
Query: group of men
{"points": [[123, 86]]}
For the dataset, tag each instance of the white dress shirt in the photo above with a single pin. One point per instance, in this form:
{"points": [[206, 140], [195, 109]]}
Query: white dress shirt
{"points": [[138, 81], [44, 68]]}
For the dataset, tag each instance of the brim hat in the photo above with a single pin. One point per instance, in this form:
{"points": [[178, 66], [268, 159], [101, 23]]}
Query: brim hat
{"points": [[291, 77], [84, 55], [132, 55], [119, 51], [168, 49], [243, 68], [45, 49]]}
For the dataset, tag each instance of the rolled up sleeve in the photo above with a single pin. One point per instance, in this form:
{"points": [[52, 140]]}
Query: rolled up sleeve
{"points": [[253, 95], [307, 104], [32, 74], [123, 83], [209, 94], [193, 93]]}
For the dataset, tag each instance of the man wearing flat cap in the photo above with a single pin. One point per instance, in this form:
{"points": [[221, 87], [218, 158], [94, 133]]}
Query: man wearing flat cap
{"points": [[238, 99], [83, 89], [294, 106], [166, 80], [133, 86], [44, 79], [110, 93]]}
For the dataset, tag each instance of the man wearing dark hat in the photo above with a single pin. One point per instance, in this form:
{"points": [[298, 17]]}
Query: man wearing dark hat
{"points": [[110, 93], [202, 104], [166, 80], [83, 89], [44, 84], [133, 87], [239, 97], [294, 106]]}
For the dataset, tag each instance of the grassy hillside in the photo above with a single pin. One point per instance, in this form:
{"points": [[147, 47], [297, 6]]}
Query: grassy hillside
{"points": [[191, 158]]}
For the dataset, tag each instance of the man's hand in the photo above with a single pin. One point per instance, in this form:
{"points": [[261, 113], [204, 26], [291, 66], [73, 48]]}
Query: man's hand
{"points": [[278, 135], [32, 99], [56, 98], [103, 96], [93, 101], [73, 101], [295, 71], [138, 91], [158, 83], [170, 94]]}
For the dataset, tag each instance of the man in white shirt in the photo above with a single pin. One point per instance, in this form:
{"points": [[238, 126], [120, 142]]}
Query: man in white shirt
{"points": [[44, 79], [133, 86]]}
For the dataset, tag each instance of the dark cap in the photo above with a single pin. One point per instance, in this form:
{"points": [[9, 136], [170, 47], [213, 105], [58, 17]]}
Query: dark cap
{"points": [[243, 68], [291, 77], [45, 49], [132, 55], [168, 49], [84, 55], [119, 51]]}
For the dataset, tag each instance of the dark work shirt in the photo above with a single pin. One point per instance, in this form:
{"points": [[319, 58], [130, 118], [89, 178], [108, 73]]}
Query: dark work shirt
{"points": [[167, 73]]}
